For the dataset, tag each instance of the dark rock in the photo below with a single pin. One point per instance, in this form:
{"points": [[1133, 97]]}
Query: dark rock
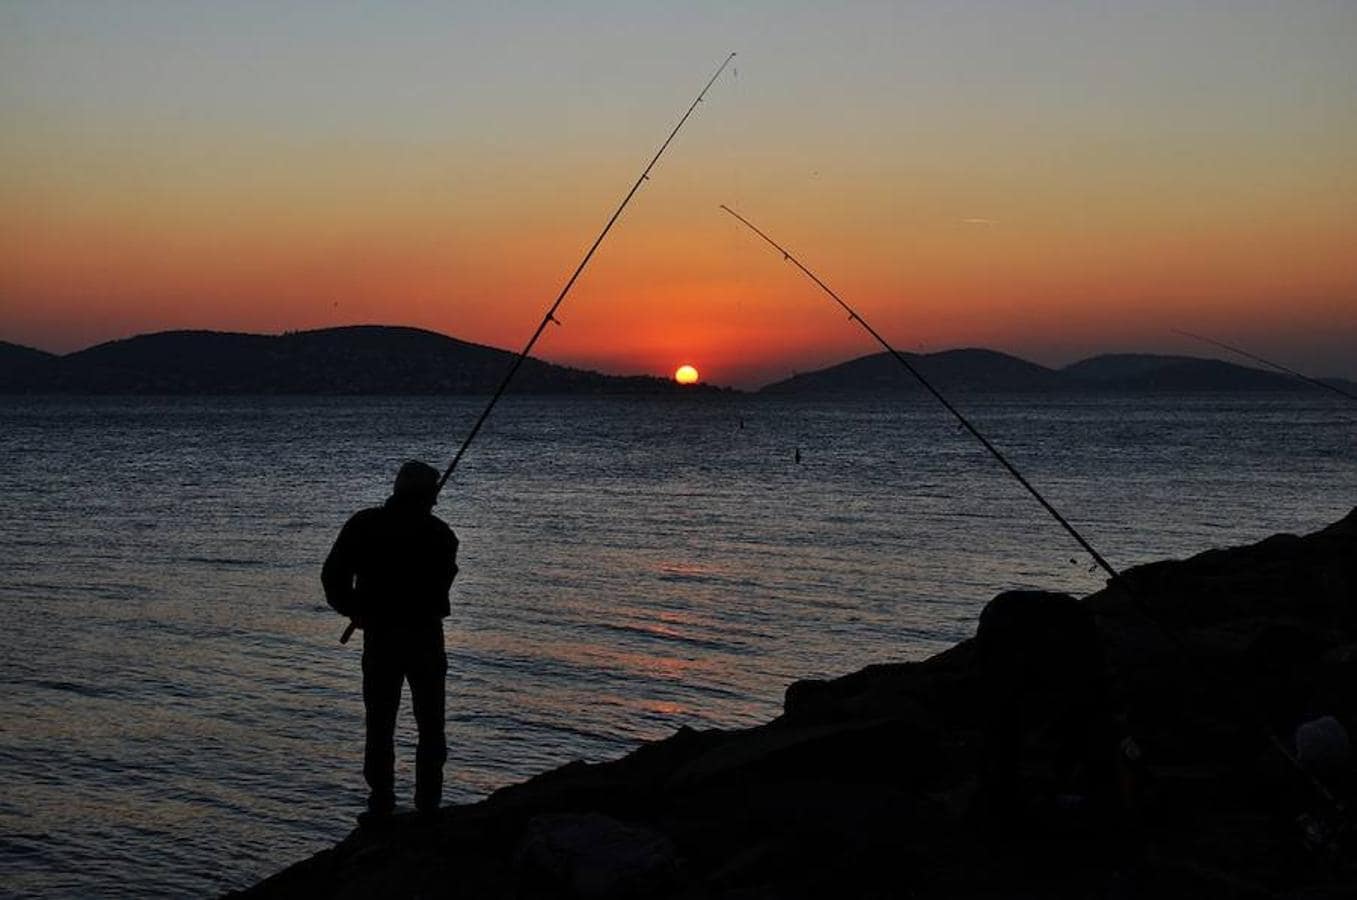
{"points": [[593, 857]]}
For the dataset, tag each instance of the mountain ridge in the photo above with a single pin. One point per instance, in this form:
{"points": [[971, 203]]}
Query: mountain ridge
{"points": [[968, 368], [355, 359], [390, 359], [979, 370], [1143, 372], [15, 357]]}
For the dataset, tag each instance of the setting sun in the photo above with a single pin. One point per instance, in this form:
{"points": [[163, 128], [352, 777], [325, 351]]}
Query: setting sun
{"points": [[685, 374]]}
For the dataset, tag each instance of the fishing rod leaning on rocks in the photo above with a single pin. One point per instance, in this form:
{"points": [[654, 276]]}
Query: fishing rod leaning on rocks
{"points": [[551, 313], [1115, 579], [1267, 362], [994, 451]]}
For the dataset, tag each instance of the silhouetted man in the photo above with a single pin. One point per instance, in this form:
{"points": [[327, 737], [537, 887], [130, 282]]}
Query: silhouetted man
{"points": [[390, 571]]}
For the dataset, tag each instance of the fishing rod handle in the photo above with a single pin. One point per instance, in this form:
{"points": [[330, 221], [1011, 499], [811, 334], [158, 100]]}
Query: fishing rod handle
{"points": [[348, 633]]}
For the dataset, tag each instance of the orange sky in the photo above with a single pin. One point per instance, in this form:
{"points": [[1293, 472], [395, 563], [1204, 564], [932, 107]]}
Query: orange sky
{"points": [[1053, 185]]}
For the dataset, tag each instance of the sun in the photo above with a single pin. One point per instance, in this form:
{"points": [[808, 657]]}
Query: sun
{"points": [[685, 374]]}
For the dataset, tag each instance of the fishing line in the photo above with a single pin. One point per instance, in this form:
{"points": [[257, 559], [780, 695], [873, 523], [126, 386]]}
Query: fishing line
{"points": [[551, 312], [1267, 362]]}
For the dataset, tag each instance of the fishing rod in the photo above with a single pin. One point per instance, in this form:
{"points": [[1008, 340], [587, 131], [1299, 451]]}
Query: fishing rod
{"points": [[1267, 362], [551, 312], [994, 451], [1226, 691]]}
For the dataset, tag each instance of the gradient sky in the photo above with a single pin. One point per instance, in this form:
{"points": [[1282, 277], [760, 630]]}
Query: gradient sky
{"points": [[1051, 179]]}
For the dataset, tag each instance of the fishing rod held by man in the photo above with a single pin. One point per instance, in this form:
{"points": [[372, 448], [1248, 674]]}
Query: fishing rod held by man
{"points": [[550, 316], [391, 569]]}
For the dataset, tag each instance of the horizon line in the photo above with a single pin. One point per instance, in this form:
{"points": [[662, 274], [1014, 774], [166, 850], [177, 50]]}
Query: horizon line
{"points": [[794, 373]]}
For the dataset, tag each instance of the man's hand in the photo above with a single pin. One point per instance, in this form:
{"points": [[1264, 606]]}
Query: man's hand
{"points": [[355, 622]]}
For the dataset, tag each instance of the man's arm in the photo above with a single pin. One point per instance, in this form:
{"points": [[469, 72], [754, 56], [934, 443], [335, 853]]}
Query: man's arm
{"points": [[338, 572], [450, 558]]}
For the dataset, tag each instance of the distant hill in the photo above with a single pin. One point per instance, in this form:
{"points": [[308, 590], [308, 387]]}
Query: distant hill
{"points": [[988, 371], [969, 370], [1143, 372], [376, 359], [15, 357], [367, 359]]}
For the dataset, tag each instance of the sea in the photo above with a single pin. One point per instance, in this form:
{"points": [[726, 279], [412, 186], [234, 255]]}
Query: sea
{"points": [[178, 717]]}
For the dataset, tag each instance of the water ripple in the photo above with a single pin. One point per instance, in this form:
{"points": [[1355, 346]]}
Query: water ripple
{"points": [[179, 719]]}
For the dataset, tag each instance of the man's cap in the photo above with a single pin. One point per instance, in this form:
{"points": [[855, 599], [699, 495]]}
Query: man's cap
{"points": [[417, 480]]}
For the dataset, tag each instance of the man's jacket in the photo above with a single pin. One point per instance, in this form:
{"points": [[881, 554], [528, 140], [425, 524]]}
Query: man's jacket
{"points": [[392, 565]]}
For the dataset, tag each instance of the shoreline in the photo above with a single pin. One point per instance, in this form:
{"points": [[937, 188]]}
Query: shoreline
{"points": [[866, 784]]}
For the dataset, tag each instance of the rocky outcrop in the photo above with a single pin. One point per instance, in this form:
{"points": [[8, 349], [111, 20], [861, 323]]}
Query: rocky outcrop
{"points": [[867, 785]]}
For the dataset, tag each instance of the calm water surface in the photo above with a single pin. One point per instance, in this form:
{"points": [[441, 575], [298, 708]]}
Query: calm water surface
{"points": [[178, 719]]}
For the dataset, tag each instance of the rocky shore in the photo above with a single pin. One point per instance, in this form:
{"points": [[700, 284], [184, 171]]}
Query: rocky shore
{"points": [[868, 785]]}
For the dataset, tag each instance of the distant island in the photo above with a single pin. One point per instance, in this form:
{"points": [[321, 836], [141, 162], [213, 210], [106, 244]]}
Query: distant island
{"points": [[379, 359], [361, 359], [974, 370]]}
